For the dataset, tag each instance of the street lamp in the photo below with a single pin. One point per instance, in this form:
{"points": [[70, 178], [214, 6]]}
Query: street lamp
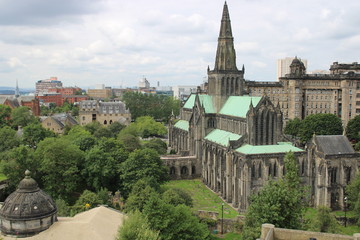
{"points": [[222, 218], [345, 205]]}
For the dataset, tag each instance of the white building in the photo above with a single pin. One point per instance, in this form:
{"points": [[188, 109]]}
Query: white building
{"points": [[182, 92], [283, 66]]}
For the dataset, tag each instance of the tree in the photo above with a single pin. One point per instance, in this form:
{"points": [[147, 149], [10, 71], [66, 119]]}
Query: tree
{"points": [[177, 196], [279, 203], [130, 142], [292, 127], [353, 129], [81, 137], [156, 144], [59, 165], [174, 222], [103, 132], [116, 128], [8, 138], [15, 162], [34, 133], [136, 227], [141, 164], [92, 127], [87, 200], [140, 194], [5, 113], [145, 127], [324, 221], [320, 124], [22, 116], [353, 193]]}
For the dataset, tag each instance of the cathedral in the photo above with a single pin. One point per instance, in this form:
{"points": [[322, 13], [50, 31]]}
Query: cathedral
{"points": [[233, 140]]}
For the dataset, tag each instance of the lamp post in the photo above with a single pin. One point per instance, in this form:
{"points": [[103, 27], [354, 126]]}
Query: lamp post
{"points": [[345, 205], [222, 218]]}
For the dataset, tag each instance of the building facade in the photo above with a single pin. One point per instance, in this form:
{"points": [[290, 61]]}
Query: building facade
{"points": [[58, 122], [283, 66], [103, 112], [233, 138], [43, 86]]}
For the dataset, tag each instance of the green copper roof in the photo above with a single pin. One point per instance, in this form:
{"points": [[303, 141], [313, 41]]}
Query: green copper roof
{"points": [[222, 137], [238, 106], [205, 101], [182, 124], [261, 149]]}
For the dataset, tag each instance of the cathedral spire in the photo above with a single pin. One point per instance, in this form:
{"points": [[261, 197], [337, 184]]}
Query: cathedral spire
{"points": [[225, 55], [17, 91]]}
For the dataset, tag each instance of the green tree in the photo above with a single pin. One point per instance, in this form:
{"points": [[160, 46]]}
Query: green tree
{"points": [[103, 132], [141, 164], [177, 196], [140, 194], [136, 227], [156, 144], [353, 129], [5, 113], [34, 133], [59, 165], [174, 222], [320, 124], [145, 127], [87, 200], [116, 128], [63, 209], [8, 138], [130, 142], [81, 137], [324, 221], [279, 203], [92, 127], [15, 162], [353, 194], [292, 127], [22, 116]]}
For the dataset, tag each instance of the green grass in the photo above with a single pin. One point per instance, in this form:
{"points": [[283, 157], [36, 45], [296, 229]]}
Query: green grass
{"points": [[2, 177], [228, 236], [203, 198]]}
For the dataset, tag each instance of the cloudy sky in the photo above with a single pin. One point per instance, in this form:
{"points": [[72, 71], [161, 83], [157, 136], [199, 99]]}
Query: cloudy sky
{"points": [[117, 42]]}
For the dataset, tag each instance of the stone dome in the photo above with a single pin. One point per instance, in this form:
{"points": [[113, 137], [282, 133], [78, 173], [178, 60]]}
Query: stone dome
{"points": [[28, 210]]}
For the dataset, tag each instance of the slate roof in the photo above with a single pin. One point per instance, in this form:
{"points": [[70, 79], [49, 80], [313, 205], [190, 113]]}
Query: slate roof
{"points": [[222, 137], [265, 149], [238, 106], [182, 124], [333, 144], [205, 101]]}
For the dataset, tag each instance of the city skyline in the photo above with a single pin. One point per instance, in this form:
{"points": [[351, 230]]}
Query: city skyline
{"points": [[118, 42]]}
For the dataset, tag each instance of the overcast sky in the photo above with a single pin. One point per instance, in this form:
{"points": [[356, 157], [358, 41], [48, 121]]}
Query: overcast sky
{"points": [[117, 42]]}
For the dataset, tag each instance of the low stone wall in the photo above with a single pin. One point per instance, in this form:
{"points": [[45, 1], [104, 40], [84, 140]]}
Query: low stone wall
{"points": [[270, 232], [217, 224]]}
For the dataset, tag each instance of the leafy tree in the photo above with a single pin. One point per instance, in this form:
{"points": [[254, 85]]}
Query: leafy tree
{"points": [[92, 127], [353, 129], [59, 165], [279, 203], [15, 162], [116, 128], [292, 127], [130, 142], [145, 127], [81, 137], [141, 164], [177, 196], [156, 144], [87, 200], [5, 113], [353, 193], [114, 148], [8, 138], [140, 193], [320, 124], [324, 221], [22, 116], [136, 226], [103, 132], [34, 133], [174, 222], [63, 209]]}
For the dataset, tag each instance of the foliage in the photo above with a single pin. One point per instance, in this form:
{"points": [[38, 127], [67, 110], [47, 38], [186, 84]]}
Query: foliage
{"points": [[5, 113], [86, 201], [177, 196], [174, 222], [81, 137], [292, 127], [136, 227], [34, 133], [324, 221], [141, 164], [53, 109], [92, 127], [140, 193], [15, 162], [353, 129], [279, 203], [22, 116], [115, 128], [103, 132], [8, 138], [353, 193], [159, 107], [130, 142], [156, 144], [320, 124], [63, 209], [145, 127], [59, 165]]}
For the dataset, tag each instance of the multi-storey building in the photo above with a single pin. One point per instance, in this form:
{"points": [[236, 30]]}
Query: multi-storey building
{"points": [[43, 86], [283, 66], [65, 90]]}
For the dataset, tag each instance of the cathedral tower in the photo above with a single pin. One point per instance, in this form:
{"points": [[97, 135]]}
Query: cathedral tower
{"points": [[225, 80]]}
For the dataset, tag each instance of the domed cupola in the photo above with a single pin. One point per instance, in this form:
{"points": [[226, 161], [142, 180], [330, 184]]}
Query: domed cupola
{"points": [[28, 210], [297, 68]]}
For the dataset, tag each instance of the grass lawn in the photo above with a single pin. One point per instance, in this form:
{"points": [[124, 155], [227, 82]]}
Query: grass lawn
{"points": [[203, 198], [228, 236]]}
